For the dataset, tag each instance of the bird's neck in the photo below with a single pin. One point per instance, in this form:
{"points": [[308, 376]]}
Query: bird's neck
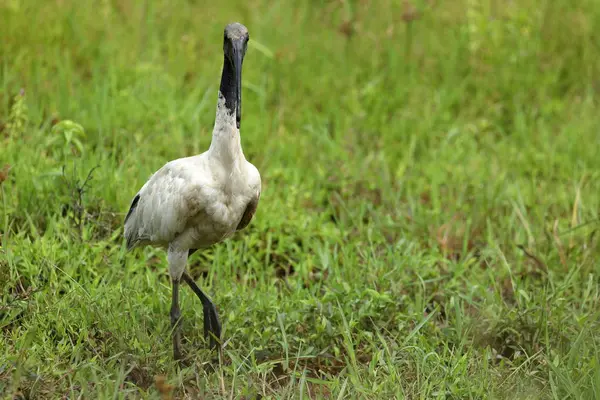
{"points": [[226, 144]]}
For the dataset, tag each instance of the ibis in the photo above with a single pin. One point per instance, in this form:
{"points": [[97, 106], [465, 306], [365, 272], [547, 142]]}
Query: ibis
{"points": [[194, 202]]}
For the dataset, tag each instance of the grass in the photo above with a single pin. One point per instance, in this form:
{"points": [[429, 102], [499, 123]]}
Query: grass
{"points": [[428, 226]]}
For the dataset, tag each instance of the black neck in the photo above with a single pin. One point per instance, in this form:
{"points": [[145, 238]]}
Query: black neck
{"points": [[228, 86]]}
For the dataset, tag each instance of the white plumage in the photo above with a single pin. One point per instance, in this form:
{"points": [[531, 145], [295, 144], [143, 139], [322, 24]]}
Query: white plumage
{"points": [[194, 202]]}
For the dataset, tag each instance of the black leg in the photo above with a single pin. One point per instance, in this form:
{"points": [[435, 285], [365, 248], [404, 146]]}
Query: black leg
{"points": [[176, 321], [212, 326]]}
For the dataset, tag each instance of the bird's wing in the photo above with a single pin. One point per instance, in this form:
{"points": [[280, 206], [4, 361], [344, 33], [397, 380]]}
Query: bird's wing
{"points": [[254, 178], [248, 212], [166, 203]]}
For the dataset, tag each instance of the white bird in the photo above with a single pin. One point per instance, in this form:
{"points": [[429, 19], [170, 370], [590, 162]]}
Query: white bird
{"points": [[194, 202]]}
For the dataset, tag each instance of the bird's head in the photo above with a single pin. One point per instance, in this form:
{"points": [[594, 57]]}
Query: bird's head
{"points": [[235, 42]]}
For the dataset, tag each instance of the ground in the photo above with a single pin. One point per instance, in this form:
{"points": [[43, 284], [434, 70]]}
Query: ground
{"points": [[428, 226]]}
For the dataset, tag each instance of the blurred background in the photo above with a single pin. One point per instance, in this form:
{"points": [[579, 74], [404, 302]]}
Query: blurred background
{"points": [[427, 226]]}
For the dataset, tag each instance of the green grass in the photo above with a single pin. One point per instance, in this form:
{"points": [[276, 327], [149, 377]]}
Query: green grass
{"points": [[428, 226]]}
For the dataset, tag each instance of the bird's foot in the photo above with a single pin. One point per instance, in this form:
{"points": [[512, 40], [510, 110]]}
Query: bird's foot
{"points": [[212, 326], [182, 360]]}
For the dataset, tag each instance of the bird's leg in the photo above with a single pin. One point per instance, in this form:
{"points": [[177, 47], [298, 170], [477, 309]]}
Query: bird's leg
{"points": [[176, 321], [177, 259], [212, 326]]}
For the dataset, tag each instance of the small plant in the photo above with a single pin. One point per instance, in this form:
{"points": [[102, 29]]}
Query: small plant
{"points": [[70, 133], [75, 209], [19, 116]]}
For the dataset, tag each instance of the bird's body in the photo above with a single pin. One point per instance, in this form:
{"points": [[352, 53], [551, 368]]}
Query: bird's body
{"points": [[194, 202]]}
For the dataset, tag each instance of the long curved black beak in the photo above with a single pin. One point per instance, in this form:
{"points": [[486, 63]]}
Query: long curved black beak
{"points": [[238, 59]]}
